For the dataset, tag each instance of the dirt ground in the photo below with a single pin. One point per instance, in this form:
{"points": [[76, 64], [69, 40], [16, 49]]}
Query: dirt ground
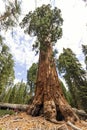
{"points": [[22, 121]]}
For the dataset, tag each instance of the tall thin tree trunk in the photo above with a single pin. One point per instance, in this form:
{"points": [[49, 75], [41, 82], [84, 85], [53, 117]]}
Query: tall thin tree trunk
{"points": [[49, 97]]}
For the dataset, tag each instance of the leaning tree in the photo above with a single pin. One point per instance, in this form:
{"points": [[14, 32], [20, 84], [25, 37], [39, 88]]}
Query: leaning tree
{"points": [[45, 23]]}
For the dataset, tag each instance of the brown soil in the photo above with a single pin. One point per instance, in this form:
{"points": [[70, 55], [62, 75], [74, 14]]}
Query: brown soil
{"points": [[22, 121]]}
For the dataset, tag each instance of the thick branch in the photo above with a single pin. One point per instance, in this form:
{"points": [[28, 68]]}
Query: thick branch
{"points": [[3, 17]]}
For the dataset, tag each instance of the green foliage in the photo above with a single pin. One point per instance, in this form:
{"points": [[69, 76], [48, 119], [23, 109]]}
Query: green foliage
{"points": [[45, 23], [69, 98], [66, 93], [6, 66], [31, 73], [12, 94], [5, 112], [83, 96], [69, 64], [84, 49], [31, 77], [8, 20], [7, 94], [10, 17], [18, 94], [71, 69]]}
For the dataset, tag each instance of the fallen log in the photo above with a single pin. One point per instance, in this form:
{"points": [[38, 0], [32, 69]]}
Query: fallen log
{"points": [[14, 106]]}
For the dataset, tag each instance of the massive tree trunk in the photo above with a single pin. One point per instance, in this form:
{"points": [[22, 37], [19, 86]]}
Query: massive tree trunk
{"points": [[49, 98]]}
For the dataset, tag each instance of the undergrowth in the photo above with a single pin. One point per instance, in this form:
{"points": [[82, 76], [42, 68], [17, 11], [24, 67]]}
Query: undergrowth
{"points": [[5, 112]]}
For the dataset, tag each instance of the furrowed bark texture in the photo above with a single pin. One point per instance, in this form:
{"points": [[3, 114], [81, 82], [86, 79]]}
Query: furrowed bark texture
{"points": [[49, 98]]}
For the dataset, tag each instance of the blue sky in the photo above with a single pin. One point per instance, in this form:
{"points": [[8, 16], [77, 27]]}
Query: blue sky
{"points": [[74, 13]]}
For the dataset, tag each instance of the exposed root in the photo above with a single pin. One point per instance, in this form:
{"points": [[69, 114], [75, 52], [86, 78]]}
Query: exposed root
{"points": [[73, 126], [55, 121], [62, 127]]}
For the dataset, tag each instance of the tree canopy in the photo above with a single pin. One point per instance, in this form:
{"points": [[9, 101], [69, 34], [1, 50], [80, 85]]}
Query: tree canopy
{"points": [[44, 23]]}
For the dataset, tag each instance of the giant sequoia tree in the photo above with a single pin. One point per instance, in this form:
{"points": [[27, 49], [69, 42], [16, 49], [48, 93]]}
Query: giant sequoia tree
{"points": [[45, 24]]}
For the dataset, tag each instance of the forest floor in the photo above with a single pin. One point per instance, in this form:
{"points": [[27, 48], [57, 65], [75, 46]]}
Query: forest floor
{"points": [[22, 121]]}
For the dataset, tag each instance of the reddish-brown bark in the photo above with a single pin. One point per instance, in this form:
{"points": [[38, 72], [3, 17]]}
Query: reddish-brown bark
{"points": [[49, 98]]}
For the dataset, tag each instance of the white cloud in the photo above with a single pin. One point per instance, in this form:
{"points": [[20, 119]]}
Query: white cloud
{"points": [[21, 47], [74, 27], [19, 74], [2, 7], [18, 80]]}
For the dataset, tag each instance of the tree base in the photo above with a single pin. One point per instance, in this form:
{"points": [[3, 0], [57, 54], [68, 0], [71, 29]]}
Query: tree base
{"points": [[52, 112]]}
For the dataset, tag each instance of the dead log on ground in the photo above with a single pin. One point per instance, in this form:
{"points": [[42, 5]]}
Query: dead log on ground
{"points": [[14, 106]]}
